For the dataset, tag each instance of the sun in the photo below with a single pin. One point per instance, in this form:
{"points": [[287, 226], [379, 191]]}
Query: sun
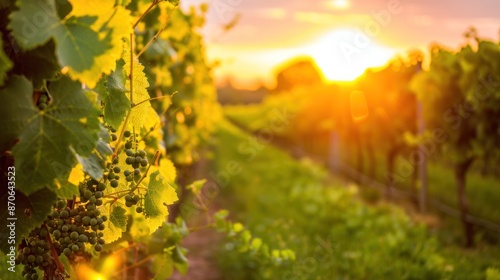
{"points": [[345, 54], [339, 4]]}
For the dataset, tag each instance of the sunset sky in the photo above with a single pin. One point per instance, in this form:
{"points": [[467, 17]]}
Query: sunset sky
{"points": [[343, 36]]}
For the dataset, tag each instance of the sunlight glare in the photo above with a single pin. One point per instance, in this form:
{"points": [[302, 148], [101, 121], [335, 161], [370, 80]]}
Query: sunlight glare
{"points": [[359, 107], [340, 59]]}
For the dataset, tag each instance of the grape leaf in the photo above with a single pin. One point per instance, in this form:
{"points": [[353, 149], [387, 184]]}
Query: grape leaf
{"points": [[50, 137], [163, 266], [17, 107], [5, 63], [113, 22], [77, 44], [140, 93], [116, 223], [95, 163], [112, 92], [30, 212], [159, 194], [45, 60], [68, 191]]}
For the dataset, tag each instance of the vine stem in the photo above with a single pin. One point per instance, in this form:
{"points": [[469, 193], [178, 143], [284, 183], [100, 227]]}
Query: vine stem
{"points": [[155, 2], [120, 137], [150, 99], [156, 156], [131, 74], [157, 34]]}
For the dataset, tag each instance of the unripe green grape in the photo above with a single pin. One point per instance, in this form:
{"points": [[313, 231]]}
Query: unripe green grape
{"points": [[67, 240], [138, 209], [31, 258], [39, 259], [74, 235], [141, 153], [101, 187], [67, 251], [130, 160], [54, 214], [128, 197], [113, 137], [98, 202], [128, 203], [75, 248], [127, 133], [61, 203], [98, 247], [87, 194], [128, 145], [144, 162], [93, 222], [43, 98], [83, 238], [114, 183], [136, 198], [98, 194], [26, 250]]}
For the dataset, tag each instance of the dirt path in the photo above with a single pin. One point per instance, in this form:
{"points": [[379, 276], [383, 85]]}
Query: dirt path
{"points": [[202, 247], [202, 244]]}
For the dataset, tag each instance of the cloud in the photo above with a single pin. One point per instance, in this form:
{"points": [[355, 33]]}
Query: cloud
{"points": [[330, 19]]}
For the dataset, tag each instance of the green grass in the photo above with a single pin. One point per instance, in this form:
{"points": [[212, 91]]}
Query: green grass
{"points": [[483, 192], [291, 204]]}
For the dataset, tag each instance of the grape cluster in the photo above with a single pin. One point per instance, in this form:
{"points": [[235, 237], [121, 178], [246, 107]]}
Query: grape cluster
{"points": [[72, 228], [34, 252], [42, 102], [133, 200]]}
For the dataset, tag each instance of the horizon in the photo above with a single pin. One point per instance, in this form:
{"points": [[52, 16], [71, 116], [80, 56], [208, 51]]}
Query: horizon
{"points": [[344, 37]]}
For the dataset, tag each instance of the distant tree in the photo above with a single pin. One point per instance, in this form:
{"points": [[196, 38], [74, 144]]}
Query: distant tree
{"points": [[298, 72]]}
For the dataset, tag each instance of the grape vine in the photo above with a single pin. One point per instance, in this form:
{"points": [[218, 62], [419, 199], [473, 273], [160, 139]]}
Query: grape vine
{"points": [[96, 137]]}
